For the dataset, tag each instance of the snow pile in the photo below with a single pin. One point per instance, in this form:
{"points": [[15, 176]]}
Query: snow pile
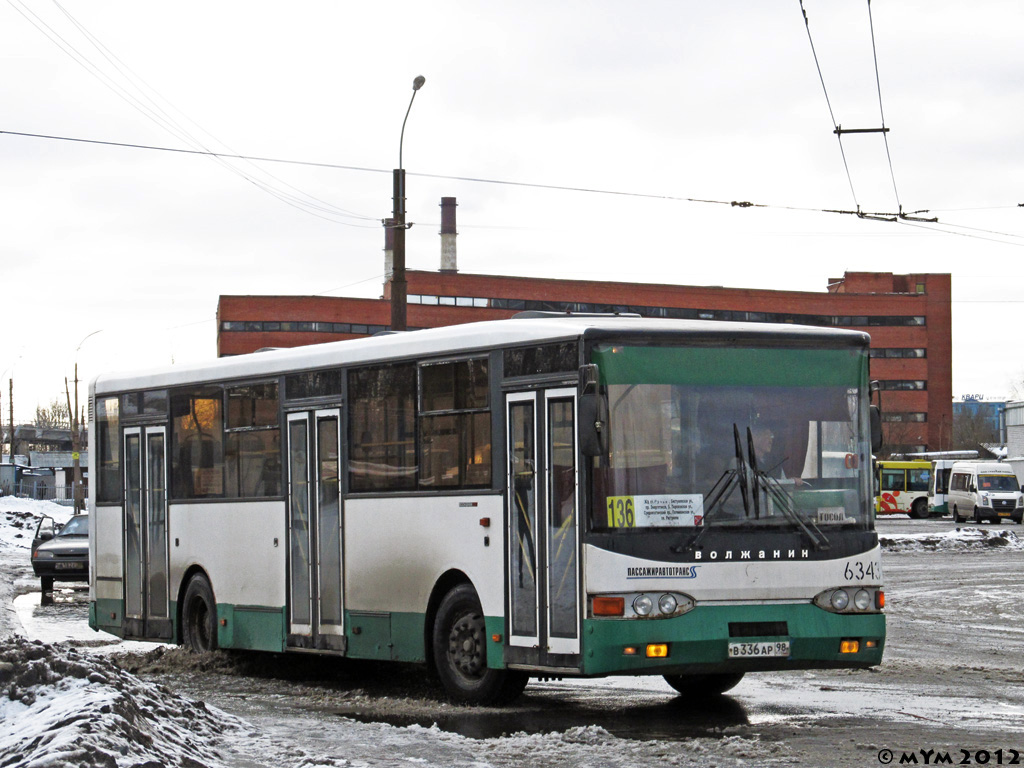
{"points": [[64, 709], [19, 518], [956, 540]]}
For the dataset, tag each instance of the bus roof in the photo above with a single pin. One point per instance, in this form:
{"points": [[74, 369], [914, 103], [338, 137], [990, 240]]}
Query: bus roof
{"points": [[466, 338]]}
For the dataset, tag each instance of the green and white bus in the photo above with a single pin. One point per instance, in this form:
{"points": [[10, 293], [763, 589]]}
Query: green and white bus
{"points": [[544, 496]]}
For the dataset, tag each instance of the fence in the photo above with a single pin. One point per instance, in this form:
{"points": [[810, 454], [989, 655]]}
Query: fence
{"points": [[41, 491]]}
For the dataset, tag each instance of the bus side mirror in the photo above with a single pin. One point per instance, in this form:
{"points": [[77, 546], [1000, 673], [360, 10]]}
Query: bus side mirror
{"points": [[593, 412], [876, 429]]}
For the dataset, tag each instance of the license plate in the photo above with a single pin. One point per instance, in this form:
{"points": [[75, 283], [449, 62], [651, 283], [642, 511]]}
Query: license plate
{"points": [[1004, 514], [758, 650], [70, 566]]}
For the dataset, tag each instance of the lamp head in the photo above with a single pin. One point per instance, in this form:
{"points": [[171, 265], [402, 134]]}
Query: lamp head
{"points": [[418, 82]]}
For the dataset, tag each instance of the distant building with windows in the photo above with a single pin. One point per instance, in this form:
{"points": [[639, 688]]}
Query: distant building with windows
{"points": [[987, 415], [908, 317]]}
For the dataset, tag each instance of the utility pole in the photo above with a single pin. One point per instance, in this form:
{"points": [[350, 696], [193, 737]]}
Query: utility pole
{"points": [[76, 448], [10, 404], [76, 483], [399, 287]]}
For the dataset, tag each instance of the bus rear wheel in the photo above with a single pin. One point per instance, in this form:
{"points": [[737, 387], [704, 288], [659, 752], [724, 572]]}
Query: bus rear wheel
{"points": [[199, 616], [460, 653], [704, 685], [919, 509]]}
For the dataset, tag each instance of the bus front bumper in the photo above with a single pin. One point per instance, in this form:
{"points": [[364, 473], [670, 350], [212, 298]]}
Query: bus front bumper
{"points": [[718, 639]]}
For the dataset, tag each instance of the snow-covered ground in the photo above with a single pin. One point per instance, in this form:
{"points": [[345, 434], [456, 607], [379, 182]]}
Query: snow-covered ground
{"points": [[960, 539], [66, 705]]}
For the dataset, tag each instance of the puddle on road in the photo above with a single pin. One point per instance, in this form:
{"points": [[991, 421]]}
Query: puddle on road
{"points": [[672, 720], [60, 616]]}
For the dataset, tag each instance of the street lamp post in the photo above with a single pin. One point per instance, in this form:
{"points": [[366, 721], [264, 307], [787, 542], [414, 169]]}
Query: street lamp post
{"points": [[398, 285]]}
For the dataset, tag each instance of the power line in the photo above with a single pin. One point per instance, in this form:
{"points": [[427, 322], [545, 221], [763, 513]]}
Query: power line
{"points": [[471, 179], [136, 93], [891, 217]]}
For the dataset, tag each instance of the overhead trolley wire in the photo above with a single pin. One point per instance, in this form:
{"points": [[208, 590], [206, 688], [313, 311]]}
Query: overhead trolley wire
{"points": [[828, 102], [881, 111], [838, 130]]}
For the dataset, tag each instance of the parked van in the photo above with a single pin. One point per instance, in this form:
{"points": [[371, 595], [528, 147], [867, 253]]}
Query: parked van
{"points": [[985, 491]]}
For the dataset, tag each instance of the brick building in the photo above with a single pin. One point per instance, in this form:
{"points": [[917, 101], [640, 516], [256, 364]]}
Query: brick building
{"points": [[908, 317]]}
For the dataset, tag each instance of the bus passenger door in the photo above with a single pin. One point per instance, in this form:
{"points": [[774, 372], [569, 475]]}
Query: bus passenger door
{"points": [[562, 521], [145, 531], [543, 557], [315, 589]]}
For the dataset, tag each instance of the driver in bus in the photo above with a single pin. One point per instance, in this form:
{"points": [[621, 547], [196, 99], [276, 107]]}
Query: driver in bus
{"points": [[762, 438]]}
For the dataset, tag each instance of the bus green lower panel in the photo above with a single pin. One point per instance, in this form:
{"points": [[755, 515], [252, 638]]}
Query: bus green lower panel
{"points": [[385, 636], [253, 627], [107, 615], [698, 641], [402, 637]]}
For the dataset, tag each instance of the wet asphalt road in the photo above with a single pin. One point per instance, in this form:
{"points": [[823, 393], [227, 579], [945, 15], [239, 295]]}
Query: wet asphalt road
{"points": [[950, 679]]}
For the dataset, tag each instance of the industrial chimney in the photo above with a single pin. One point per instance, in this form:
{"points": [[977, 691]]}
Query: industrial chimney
{"points": [[389, 249], [449, 261]]}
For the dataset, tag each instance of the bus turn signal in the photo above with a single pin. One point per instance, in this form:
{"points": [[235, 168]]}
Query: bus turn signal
{"points": [[609, 606]]}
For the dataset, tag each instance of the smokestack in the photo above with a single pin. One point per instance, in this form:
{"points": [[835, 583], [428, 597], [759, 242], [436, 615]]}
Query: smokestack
{"points": [[449, 262], [389, 249]]}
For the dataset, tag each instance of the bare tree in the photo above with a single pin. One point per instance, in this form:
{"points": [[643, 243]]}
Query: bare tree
{"points": [[971, 428], [54, 416], [902, 437]]}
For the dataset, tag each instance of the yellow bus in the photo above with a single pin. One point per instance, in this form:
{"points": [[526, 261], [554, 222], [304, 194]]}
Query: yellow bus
{"points": [[902, 487]]}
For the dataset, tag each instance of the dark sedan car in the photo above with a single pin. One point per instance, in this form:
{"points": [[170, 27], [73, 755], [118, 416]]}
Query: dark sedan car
{"points": [[61, 555]]}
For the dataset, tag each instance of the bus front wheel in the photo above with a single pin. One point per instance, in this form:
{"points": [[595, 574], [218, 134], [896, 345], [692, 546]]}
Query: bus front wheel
{"points": [[199, 616], [704, 685], [460, 653]]}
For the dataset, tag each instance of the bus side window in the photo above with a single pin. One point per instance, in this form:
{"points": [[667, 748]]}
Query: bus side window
{"points": [[893, 480]]}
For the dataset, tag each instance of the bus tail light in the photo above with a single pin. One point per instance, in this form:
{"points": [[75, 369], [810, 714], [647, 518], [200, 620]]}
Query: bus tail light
{"points": [[609, 606]]}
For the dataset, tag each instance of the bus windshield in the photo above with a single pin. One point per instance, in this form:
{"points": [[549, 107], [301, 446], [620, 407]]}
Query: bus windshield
{"points": [[760, 437]]}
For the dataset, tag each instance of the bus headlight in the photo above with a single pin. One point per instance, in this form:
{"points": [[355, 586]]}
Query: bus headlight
{"points": [[865, 600], [643, 605], [667, 604], [639, 605]]}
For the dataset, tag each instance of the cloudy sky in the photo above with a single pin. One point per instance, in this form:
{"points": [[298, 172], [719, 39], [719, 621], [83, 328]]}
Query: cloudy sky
{"points": [[656, 105]]}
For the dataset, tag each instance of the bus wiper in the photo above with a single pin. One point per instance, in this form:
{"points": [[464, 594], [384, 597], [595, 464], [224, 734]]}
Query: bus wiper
{"points": [[752, 482], [773, 490], [721, 492]]}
